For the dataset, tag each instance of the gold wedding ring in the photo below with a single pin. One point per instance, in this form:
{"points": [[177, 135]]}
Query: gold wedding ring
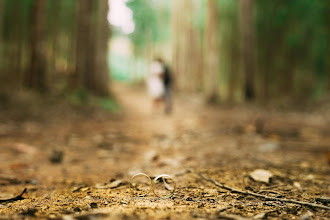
{"points": [[139, 186], [162, 186], [167, 184]]}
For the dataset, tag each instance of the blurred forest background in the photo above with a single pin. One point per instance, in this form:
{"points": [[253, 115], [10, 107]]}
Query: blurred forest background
{"points": [[76, 122], [228, 51]]}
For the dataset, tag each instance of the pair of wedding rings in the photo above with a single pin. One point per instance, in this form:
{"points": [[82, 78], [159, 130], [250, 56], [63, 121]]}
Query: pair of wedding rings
{"points": [[162, 186]]}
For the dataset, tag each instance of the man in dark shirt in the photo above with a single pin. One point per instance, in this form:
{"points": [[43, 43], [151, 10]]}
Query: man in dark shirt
{"points": [[168, 83], [168, 89]]}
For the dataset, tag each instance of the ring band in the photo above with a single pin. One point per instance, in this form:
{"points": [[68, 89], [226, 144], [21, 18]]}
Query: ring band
{"points": [[152, 186], [164, 176], [140, 174]]}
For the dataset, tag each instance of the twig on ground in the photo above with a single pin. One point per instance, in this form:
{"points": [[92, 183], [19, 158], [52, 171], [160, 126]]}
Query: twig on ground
{"points": [[268, 191], [233, 190], [16, 198], [77, 189]]}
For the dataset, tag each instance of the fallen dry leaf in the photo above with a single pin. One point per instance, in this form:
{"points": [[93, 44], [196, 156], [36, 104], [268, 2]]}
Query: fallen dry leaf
{"points": [[113, 184], [261, 175]]}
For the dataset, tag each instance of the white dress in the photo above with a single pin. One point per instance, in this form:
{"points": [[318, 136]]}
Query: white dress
{"points": [[154, 82]]}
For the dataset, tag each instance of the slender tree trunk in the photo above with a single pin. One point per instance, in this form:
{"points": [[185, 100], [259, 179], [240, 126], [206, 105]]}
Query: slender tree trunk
{"points": [[3, 69], [2, 5], [328, 68], [84, 48], [178, 42], [234, 50], [15, 66], [212, 52], [234, 71], [92, 39], [328, 44], [195, 54], [187, 46], [55, 36], [248, 47], [175, 39], [103, 33], [35, 78]]}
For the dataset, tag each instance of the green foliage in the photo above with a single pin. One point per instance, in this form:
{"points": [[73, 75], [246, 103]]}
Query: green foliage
{"points": [[21, 8], [293, 35], [38, 44], [78, 97], [109, 105], [82, 97], [292, 39], [200, 17], [152, 24], [145, 20], [121, 65]]}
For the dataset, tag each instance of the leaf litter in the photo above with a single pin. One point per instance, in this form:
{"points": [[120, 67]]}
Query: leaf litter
{"points": [[78, 187]]}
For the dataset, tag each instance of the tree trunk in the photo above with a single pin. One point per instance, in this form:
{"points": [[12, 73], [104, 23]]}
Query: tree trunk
{"points": [[187, 47], [328, 67], [103, 33], [175, 39], [196, 48], [55, 37], [178, 43], [92, 38], [212, 52], [2, 5], [3, 69], [35, 78], [328, 45], [83, 44], [15, 53], [248, 47], [234, 71]]}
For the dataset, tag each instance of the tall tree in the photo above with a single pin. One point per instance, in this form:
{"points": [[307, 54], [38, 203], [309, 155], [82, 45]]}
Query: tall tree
{"points": [[1, 26], [187, 45], [101, 62], [16, 45], [212, 52], [327, 18], [248, 46], [92, 39], [35, 77], [54, 38], [233, 67], [83, 67]]}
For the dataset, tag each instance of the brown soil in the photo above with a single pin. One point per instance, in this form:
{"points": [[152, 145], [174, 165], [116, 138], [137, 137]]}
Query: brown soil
{"points": [[223, 143]]}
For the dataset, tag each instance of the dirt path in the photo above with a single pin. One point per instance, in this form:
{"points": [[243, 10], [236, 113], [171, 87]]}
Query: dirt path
{"points": [[102, 152]]}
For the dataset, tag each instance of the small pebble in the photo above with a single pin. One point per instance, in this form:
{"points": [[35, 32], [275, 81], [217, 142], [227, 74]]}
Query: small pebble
{"points": [[56, 156], [93, 205], [77, 209]]}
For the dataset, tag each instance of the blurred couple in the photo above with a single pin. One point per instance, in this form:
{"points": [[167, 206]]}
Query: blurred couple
{"points": [[159, 84]]}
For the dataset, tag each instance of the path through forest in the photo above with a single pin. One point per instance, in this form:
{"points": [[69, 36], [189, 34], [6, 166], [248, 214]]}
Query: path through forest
{"points": [[78, 165]]}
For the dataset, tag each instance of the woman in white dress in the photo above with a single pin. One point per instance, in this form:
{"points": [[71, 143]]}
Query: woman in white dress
{"points": [[155, 83]]}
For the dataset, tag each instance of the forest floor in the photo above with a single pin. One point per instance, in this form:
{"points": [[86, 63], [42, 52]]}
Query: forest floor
{"points": [[77, 165]]}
